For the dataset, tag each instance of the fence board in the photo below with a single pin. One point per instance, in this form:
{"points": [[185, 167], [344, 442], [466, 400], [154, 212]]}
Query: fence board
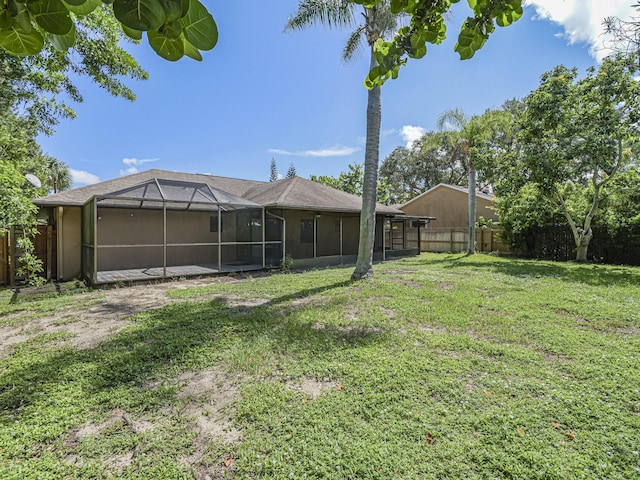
{"points": [[4, 259], [456, 239]]}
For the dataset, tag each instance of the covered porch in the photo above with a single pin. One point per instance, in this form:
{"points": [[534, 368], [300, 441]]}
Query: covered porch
{"points": [[168, 229]]}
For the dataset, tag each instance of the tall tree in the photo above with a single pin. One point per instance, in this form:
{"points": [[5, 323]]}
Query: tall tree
{"points": [[378, 21], [625, 33], [578, 133], [352, 181], [291, 172], [175, 28], [471, 134], [38, 87], [427, 25], [410, 172], [273, 172]]}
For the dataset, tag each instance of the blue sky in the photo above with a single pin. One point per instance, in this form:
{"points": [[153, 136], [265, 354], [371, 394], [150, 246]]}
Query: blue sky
{"points": [[263, 94]]}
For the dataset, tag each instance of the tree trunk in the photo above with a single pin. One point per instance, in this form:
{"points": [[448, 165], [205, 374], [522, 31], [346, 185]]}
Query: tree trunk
{"points": [[471, 248], [364, 264], [582, 244]]}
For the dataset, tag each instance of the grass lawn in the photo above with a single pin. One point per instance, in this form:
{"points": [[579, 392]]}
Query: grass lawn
{"points": [[443, 366]]}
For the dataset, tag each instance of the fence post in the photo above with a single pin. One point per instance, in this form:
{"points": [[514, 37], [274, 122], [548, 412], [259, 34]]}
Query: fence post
{"points": [[12, 256], [49, 251]]}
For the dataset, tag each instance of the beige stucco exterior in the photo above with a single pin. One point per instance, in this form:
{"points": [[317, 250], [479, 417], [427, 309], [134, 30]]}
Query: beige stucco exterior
{"points": [[449, 206], [68, 221]]}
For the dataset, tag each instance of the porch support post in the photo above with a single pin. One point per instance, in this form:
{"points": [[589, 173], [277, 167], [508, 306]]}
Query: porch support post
{"points": [[340, 238], [164, 238], [384, 235], [95, 240], [419, 241], [315, 234], [404, 235], [219, 239], [264, 237]]}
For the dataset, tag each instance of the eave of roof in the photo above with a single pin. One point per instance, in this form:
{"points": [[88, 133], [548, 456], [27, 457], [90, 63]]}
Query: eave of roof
{"points": [[295, 193]]}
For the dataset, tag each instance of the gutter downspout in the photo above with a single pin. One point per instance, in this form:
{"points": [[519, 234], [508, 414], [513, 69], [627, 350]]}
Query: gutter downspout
{"points": [[284, 233]]}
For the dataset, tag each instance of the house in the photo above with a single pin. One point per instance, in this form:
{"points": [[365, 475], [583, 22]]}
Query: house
{"points": [[449, 205], [159, 224]]}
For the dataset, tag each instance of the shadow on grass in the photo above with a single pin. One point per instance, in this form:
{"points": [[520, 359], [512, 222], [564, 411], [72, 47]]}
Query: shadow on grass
{"points": [[591, 274], [168, 340], [307, 292]]}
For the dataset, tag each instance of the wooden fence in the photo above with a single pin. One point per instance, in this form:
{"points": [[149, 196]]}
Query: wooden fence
{"points": [[44, 248], [456, 239], [4, 258]]}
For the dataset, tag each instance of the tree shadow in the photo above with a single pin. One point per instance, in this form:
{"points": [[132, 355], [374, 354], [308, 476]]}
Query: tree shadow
{"points": [[590, 274], [163, 342]]}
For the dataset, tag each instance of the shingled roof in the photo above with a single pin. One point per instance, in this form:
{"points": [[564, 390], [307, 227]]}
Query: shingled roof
{"points": [[297, 192]]}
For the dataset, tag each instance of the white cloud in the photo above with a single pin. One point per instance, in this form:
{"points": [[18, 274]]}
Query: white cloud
{"points": [[133, 163], [582, 20], [80, 177], [411, 134], [328, 152]]}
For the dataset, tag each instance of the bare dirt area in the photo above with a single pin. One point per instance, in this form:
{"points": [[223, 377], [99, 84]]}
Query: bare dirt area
{"points": [[98, 314]]}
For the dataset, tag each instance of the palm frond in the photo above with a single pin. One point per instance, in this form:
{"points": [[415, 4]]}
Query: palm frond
{"points": [[452, 119], [332, 13], [353, 42]]}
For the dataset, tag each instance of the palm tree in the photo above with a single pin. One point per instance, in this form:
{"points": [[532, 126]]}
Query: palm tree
{"points": [[57, 174], [467, 127], [377, 22]]}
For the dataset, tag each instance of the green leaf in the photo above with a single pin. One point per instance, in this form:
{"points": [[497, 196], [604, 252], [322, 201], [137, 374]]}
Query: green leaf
{"points": [[191, 51], [51, 15], [173, 9], [75, 3], [18, 42], [6, 20], [131, 33], [84, 8], [168, 48], [465, 51], [64, 42], [199, 27], [140, 15]]}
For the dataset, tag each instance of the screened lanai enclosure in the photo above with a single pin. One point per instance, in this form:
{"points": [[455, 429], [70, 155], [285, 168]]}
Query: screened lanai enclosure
{"points": [[166, 228]]}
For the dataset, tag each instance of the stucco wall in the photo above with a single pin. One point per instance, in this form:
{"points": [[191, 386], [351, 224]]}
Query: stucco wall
{"points": [[69, 242], [449, 206]]}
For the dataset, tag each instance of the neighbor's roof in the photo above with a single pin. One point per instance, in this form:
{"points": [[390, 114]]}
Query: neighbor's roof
{"points": [[452, 187], [294, 192]]}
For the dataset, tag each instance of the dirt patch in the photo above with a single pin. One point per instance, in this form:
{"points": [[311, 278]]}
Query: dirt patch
{"points": [[405, 282], [205, 396], [311, 387], [446, 286], [433, 329], [348, 330], [244, 304], [109, 312], [631, 330], [554, 357]]}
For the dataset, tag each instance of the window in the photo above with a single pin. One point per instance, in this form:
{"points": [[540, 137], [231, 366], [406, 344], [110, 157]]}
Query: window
{"points": [[213, 224], [306, 231]]}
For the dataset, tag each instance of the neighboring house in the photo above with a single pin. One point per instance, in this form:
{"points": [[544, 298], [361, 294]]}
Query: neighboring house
{"points": [[449, 205], [158, 224]]}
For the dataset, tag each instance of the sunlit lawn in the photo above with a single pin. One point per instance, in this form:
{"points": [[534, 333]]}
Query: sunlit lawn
{"points": [[443, 366]]}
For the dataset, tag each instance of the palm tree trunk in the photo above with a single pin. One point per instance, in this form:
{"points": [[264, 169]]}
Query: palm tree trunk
{"points": [[364, 264], [471, 248]]}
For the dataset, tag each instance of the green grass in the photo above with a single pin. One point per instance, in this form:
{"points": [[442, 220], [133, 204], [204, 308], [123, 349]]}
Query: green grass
{"points": [[443, 366]]}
